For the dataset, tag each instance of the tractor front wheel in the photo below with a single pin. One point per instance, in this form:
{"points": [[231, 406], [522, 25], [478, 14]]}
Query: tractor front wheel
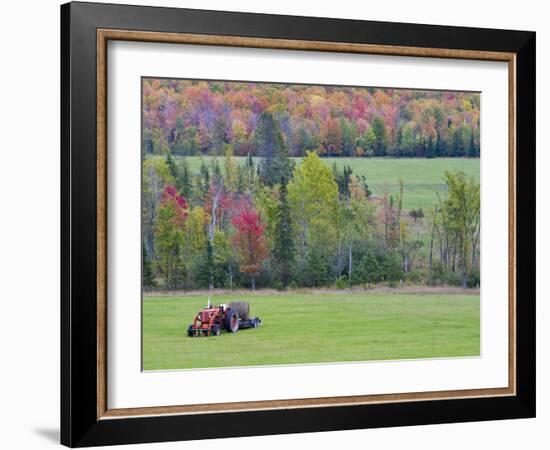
{"points": [[216, 330], [231, 321]]}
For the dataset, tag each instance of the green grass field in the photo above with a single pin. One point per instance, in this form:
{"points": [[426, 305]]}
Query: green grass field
{"points": [[315, 328], [422, 177]]}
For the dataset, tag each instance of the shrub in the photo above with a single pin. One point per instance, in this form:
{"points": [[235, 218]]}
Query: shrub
{"points": [[416, 214], [452, 278], [391, 267], [366, 271], [473, 279], [149, 281], [315, 271], [341, 282], [437, 274], [414, 277], [440, 275]]}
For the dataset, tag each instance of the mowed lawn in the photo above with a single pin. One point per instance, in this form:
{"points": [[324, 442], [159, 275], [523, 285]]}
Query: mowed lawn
{"points": [[314, 328], [422, 177]]}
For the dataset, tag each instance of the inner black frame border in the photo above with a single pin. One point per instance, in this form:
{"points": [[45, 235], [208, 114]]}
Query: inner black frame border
{"points": [[79, 423]]}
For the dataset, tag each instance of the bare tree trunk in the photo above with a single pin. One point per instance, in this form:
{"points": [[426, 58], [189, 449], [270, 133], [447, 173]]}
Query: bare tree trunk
{"points": [[386, 220], [212, 228], [305, 227], [447, 252], [464, 262], [253, 282], [449, 255], [475, 241], [432, 239], [454, 258], [350, 263], [215, 202], [339, 259]]}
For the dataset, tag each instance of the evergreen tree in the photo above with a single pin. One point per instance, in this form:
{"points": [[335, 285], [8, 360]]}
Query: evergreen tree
{"points": [[300, 143], [181, 175], [205, 270], [362, 180], [349, 137], [316, 272], [216, 172], [367, 271], [372, 268], [204, 180], [391, 267], [275, 163], [148, 276], [381, 137], [430, 150], [283, 250], [241, 183], [472, 149], [343, 179], [184, 182], [250, 169], [172, 167], [458, 143], [439, 146], [398, 147]]}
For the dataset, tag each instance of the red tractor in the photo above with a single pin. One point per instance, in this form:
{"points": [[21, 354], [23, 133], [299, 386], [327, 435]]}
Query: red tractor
{"points": [[211, 320]]}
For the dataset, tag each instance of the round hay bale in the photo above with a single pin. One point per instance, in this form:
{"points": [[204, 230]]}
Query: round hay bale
{"points": [[242, 308]]}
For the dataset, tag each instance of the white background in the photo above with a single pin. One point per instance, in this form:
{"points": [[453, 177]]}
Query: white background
{"points": [[130, 388], [29, 229]]}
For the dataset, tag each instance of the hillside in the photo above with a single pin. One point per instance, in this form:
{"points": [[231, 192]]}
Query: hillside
{"points": [[190, 117]]}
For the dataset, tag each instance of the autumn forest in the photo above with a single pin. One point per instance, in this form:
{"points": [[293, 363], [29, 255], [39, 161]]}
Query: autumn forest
{"points": [[258, 185]]}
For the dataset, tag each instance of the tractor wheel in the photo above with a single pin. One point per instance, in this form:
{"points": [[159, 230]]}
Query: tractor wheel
{"points": [[231, 322], [190, 331], [216, 330]]}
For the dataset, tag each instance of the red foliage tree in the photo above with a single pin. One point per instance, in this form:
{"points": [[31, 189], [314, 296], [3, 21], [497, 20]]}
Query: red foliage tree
{"points": [[171, 193], [170, 237], [249, 242], [170, 199]]}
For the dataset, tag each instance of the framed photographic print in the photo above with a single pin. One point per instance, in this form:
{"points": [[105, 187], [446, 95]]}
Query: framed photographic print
{"points": [[286, 224]]}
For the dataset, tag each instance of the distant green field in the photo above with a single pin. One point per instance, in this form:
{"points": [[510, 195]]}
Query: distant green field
{"points": [[315, 328], [422, 177]]}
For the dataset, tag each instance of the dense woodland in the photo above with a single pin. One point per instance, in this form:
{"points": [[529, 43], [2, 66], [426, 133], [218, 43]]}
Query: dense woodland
{"points": [[189, 117], [273, 222]]}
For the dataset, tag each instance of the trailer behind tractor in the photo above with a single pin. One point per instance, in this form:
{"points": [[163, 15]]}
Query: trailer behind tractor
{"points": [[232, 317]]}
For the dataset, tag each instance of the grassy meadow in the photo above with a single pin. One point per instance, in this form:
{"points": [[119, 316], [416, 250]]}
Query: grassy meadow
{"points": [[316, 327], [422, 177]]}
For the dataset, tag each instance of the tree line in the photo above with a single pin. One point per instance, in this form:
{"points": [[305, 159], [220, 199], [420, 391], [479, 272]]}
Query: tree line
{"points": [[272, 223], [189, 117]]}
